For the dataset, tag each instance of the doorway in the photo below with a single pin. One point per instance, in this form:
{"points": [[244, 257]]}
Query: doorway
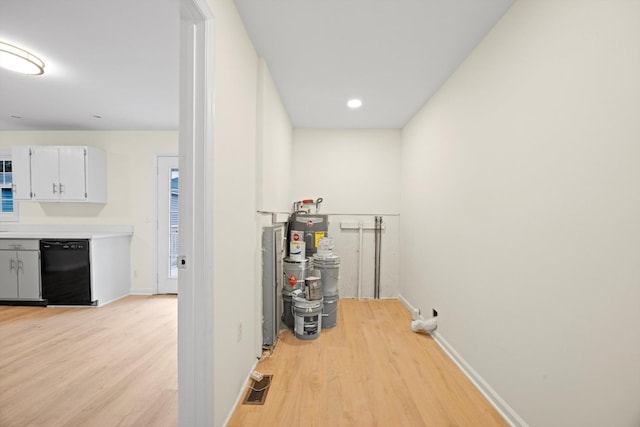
{"points": [[167, 180]]}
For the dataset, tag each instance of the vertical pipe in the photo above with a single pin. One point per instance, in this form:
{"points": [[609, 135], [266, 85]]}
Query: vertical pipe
{"points": [[375, 259], [378, 240], [360, 262], [378, 260]]}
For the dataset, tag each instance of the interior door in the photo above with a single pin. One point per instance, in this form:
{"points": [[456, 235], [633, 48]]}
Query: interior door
{"points": [[168, 231]]}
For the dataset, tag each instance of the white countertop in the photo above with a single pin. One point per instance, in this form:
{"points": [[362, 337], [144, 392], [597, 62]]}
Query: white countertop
{"points": [[62, 231], [60, 235]]}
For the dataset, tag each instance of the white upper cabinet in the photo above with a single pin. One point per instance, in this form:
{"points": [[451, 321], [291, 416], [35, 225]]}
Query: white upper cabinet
{"points": [[44, 174], [60, 174], [21, 163]]}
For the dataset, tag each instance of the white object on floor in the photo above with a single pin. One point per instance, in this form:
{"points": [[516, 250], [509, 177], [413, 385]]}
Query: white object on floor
{"points": [[257, 376], [424, 325]]}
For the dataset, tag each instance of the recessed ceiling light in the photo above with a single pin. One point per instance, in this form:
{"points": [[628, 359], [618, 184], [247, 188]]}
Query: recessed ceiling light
{"points": [[354, 103], [16, 59]]}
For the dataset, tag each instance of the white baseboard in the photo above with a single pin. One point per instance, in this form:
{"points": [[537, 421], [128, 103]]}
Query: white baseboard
{"points": [[142, 291], [101, 304], [241, 393], [487, 391], [411, 309]]}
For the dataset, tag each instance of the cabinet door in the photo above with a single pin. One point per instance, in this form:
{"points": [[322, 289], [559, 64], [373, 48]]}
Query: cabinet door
{"points": [[21, 162], [45, 182], [8, 275], [28, 274], [72, 173]]}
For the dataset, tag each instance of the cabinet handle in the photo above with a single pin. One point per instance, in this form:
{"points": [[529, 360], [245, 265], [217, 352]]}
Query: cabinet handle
{"points": [[54, 187], [12, 264], [20, 266], [61, 188]]}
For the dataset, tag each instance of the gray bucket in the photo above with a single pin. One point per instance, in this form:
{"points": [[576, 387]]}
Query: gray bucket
{"points": [[294, 274], [287, 311], [330, 272], [307, 316], [330, 311]]}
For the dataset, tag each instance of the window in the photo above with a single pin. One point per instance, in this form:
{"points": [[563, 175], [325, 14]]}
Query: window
{"points": [[8, 207], [173, 219]]}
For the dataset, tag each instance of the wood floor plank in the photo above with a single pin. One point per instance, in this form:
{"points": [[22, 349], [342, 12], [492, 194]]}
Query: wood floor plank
{"points": [[369, 370], [116, 366], [108, 366]]}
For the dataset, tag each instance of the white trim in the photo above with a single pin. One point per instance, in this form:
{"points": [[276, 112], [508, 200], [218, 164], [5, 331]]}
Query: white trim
{"points": [[196, 403], [503, 408], [155, 220], [141, 291], [243, 390], [487, 391], [411, 309], [100, 303]]}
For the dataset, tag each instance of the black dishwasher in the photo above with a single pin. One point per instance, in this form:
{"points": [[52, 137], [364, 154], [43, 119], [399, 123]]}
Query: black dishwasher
{"points": [[66, 273]]}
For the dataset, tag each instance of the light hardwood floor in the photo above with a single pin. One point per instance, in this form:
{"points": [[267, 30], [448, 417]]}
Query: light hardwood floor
{"points": [[370, 370], [116, 366], [103, 367]]}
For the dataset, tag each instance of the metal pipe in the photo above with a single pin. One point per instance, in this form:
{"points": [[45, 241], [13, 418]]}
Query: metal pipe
{"points": [[378, 241], [375, 259], [379, 260], [360, 262]]}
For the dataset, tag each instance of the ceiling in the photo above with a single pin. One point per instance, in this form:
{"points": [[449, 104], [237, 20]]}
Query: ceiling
{"points": [[392, 54], [118, 59]]}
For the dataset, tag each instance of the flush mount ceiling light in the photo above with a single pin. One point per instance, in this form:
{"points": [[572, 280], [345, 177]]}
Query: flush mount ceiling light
{"points": [[16, 59], [354, 103]]}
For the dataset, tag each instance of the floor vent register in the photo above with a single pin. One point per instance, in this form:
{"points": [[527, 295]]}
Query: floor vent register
{"points": [[257, 393]]}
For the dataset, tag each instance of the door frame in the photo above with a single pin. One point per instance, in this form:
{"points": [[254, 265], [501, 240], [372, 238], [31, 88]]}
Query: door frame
{"points": [[195, 280], [157, 219]]}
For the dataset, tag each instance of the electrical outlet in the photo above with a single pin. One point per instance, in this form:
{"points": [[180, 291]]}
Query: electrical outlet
{"points": [[435, 312], [239, 331]]}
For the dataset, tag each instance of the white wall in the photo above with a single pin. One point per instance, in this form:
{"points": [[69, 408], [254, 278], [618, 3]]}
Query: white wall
{"points": [[274, 146], [273, 163], [522, 176], [234, 216], [131, 186], [357, 173]]}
